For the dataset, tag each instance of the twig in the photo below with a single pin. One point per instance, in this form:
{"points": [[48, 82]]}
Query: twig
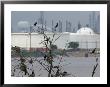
{"points": [[95, 66]]}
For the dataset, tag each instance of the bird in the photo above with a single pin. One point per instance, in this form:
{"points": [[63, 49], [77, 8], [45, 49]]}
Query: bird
{"points": [[56, 25], [93, 51], [35, 23]]}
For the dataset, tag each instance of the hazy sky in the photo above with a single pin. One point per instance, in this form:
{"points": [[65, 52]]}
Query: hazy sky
{"points": [[31, 16]]}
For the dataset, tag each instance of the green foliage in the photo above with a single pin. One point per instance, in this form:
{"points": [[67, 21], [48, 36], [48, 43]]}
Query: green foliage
{"points": [[73, 45]]}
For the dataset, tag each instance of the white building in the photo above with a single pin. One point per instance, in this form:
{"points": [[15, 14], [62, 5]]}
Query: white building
{"points": [[85, 36]]}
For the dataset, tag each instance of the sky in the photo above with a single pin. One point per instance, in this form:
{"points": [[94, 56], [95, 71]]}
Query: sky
{"points": [[23, 19]]}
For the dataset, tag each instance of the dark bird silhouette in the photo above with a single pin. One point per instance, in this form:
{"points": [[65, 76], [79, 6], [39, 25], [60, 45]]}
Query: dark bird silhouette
{"points": [[35, 23], [56, 25], [93, 50]]}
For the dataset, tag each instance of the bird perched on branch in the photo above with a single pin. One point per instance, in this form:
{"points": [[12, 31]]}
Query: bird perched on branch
{"points": [[93, 51], [56, 25], [35, 23]]}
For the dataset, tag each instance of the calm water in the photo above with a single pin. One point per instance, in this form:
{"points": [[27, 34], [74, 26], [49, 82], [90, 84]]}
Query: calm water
{"points": [[79, 67]]}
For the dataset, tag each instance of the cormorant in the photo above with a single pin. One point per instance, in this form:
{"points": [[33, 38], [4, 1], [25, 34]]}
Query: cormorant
{"points": [[35, 23], [93, 50], [56, 25]]}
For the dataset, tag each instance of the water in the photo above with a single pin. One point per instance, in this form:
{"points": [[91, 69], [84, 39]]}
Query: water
{"points": [[78, 67]]}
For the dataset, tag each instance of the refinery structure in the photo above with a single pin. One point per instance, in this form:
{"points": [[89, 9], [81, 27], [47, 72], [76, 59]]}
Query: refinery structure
{"points": [[87, 36]]}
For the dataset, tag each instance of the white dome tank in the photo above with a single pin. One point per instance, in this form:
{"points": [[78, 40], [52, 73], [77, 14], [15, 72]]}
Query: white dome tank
{"points": [[85, 31]]}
